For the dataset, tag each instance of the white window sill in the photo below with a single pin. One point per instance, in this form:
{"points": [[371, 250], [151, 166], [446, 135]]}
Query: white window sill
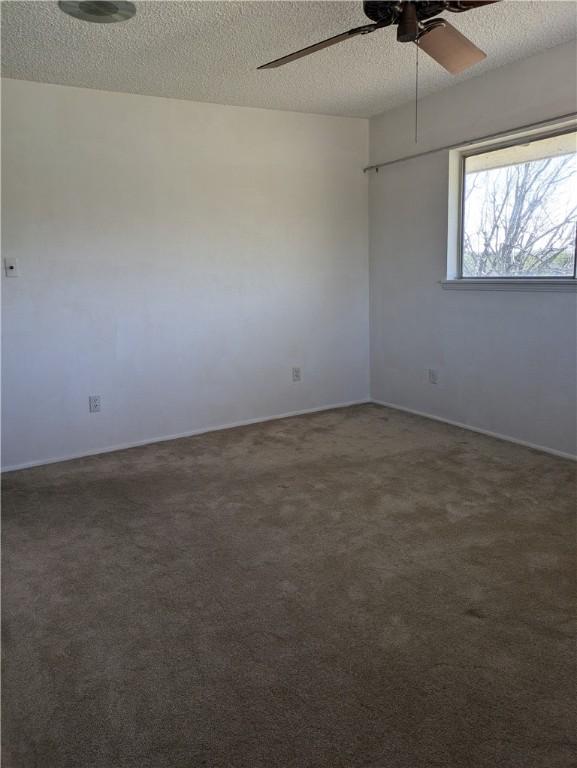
{"points": [[511, 284]]}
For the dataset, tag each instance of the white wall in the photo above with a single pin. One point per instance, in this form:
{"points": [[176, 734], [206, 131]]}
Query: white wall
{"points": [[177, 259], [507, 360]]}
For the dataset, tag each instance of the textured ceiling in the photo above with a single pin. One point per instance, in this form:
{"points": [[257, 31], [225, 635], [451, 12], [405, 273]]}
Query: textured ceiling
{"points": [[209, 51]]}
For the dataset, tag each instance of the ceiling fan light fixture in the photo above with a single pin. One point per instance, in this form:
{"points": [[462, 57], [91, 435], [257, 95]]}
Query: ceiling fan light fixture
{"points": [[98, 11]]}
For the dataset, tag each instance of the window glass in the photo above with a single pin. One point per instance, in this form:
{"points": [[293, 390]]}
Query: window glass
{"points": [[520, 210]]}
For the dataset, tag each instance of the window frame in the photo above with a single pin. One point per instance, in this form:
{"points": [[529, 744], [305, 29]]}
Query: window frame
{"points": [[457, 161]]}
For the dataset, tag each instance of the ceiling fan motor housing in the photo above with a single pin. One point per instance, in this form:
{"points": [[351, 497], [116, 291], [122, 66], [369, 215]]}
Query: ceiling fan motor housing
{"points": [[377, 10], [390, 12]]}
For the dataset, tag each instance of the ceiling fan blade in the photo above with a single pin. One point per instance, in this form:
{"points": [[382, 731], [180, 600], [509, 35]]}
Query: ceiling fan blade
{"points": [[364, 30], [450, 48]]}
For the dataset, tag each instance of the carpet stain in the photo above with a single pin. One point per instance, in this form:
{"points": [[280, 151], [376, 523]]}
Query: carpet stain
{"points": [[475, 613]]}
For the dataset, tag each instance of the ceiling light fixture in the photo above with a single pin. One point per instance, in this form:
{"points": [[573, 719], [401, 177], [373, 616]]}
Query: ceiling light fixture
{"points": [[98, 11]]}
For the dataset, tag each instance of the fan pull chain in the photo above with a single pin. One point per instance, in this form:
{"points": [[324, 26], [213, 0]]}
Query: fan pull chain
{"points": [[417, 94]]}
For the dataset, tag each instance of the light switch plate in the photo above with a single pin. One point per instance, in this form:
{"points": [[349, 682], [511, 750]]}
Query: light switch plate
{"points": [[11, 267]]}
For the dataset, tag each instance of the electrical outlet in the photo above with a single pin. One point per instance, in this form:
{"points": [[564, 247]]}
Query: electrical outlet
{"points": [[433, 375], [94, 403], [11, 267], [297, 374]]}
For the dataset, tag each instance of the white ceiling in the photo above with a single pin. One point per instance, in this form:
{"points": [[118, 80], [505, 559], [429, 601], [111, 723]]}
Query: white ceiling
{"points": [[209, 51]]}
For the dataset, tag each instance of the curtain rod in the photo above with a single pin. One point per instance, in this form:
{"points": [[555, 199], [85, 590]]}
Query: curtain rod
{"points": [[487, 137]]}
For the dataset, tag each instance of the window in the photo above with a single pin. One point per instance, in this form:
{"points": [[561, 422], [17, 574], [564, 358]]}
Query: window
{"points": [[519, 210]]}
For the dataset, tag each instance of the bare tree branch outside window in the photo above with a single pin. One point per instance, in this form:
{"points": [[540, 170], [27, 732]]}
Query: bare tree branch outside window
{"points": [[520, 220]]}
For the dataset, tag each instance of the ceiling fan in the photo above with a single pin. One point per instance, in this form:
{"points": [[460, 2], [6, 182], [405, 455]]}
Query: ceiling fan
{"points": [[415, 23]]}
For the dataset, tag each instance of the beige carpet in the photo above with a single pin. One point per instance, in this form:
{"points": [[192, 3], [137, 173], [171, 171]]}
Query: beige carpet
{"points": [[352, 589]]}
